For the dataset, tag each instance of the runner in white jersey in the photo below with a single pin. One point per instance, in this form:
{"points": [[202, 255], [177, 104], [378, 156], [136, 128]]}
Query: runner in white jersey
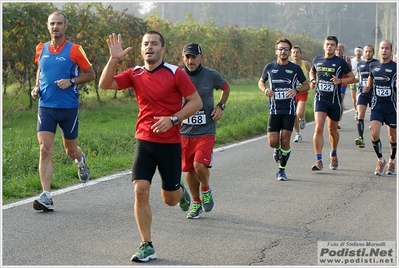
{"points": [[358, 51]]}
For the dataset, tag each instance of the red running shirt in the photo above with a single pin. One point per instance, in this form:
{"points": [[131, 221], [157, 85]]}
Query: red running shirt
{"points": [[159, 93]]}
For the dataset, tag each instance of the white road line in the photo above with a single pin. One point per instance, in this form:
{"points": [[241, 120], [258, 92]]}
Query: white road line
{"points": [[117, 175]]}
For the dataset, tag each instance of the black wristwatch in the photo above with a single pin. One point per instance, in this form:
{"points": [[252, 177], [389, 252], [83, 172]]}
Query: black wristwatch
{"points": [[222, 105], [175, 120], [73, 81]]}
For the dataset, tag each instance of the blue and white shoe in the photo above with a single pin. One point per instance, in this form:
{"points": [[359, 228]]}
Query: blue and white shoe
{"points": [[44, 202], [281, 175]]}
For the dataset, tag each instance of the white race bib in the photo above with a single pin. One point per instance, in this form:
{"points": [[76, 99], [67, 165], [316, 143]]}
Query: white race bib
{"points": [[197, 119], [364, 83], [326, 87], [281, 95], [383, 91]]}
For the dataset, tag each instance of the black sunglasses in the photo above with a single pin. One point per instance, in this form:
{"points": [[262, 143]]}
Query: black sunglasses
{"points": [[283, 48]]}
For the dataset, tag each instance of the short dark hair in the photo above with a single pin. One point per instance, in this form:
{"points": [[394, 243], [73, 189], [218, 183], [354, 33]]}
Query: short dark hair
{"points": [[59, 13], [333, 38], [370, 47], [284, 40], [297, 47], [160, 36]]}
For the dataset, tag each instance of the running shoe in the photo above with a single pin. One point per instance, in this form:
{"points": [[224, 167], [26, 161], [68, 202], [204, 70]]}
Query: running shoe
{"points": [[146, 252], [334, 163], [391, 168], [83, 170], [44, 202], [356, 115], [196, 209], [379, 170], [281, 175], [318, 165], [276, 155], [185, 199], [207, 201], [298, 137], [360, 142], [302, 123], [339, 125]]}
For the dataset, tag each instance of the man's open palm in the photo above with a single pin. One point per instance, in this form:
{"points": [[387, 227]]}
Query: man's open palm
{"points": [[115, 46]]}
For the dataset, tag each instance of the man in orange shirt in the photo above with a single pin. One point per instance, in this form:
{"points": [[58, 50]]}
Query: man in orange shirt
{"points": [[57, 79]]}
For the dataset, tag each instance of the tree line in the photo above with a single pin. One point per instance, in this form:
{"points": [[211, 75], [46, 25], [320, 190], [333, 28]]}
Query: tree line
{"points": [[317, 19], [238, 53]]}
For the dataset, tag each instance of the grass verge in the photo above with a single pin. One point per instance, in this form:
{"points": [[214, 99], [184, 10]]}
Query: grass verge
{"points": [[106, 135]]}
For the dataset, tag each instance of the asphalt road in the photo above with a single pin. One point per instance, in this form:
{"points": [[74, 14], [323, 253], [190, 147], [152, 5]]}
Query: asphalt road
{"points": [[256, 221]]}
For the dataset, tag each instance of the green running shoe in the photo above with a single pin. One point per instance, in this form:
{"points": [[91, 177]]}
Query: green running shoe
{"points": [[146, 252], [196, 209], [360, 142], [207, 201], [185, 199]]}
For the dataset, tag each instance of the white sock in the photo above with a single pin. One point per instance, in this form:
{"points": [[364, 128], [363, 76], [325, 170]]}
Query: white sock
{"points": [[81, 162]]}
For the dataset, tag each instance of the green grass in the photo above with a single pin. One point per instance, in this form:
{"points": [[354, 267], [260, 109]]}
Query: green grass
{"points": [[106, 135]]}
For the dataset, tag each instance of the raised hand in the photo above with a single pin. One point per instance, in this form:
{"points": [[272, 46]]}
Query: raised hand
{"points": [[115, 46]]}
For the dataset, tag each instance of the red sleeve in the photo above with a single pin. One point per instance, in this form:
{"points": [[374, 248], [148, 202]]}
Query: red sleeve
{"points": [[123, 79], [225, 86]]}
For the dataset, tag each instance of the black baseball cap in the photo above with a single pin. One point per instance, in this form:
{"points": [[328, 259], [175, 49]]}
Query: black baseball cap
{"points": [[192, 49]]}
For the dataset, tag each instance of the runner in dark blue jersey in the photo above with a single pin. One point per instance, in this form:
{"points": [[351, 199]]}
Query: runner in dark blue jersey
{"points": [[363, 99], [326, 74], [283, 76], [382, 80]]}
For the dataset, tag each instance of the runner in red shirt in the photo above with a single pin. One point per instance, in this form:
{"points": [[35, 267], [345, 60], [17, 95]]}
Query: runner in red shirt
{"points": [[160, 88]]}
